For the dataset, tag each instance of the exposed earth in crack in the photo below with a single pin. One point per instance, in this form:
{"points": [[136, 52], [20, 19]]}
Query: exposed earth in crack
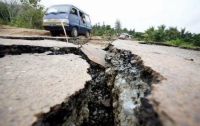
{"points": [[131, 82]]}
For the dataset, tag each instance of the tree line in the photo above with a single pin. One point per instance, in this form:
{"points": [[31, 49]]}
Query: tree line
{"points": [[170, 35], [21, 13], [106, 30]]}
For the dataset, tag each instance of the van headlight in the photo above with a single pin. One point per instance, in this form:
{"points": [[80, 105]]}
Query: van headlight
{"points": [[66, 21], [44, 20]]}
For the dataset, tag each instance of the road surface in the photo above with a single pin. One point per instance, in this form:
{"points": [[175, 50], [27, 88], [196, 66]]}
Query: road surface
{"points": [[176, 99]]}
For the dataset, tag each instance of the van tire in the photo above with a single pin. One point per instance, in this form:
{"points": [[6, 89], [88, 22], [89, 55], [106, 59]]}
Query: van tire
{"points": [[87, 34], [74, 32]]}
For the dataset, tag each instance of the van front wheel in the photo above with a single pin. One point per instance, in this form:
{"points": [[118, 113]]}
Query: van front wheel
{"points": [[74, 32]]}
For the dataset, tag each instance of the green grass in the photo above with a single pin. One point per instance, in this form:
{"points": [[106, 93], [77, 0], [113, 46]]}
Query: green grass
{"points": [[179, 42]]}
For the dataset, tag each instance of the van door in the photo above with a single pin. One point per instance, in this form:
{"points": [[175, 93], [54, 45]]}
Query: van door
{"points": [[88, 22], [83, 23], [74, 18]]}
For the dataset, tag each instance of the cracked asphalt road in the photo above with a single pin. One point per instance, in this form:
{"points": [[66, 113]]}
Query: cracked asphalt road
{"points": [[25, 81]]}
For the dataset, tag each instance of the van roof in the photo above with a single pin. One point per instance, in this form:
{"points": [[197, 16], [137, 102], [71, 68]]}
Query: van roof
{"points": [[70, 5]]}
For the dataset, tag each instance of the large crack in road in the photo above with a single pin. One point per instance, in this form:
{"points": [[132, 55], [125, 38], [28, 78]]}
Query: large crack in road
{"points": [[116, 95], [131, 83]]}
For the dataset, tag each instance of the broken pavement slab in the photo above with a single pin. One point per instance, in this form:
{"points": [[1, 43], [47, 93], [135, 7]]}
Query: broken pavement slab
{"points": [[31, 84], [95, 54], [43, 43], [59, 38], [175, 99]]}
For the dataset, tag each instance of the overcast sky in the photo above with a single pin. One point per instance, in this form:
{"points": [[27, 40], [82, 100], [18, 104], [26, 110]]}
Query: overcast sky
{"points": [[140, 14]]}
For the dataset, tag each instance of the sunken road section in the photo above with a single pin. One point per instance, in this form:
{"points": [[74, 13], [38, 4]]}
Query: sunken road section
{"points": [[116, 95]]}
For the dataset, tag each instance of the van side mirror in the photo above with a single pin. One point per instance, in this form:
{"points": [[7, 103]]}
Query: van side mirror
{"points": [[72, 11]]}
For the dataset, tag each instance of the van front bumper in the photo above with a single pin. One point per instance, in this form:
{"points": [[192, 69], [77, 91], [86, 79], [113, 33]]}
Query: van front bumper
{"points": [[56, 26]]}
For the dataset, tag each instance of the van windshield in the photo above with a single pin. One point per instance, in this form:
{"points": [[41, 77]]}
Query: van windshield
{"points": [[58, 9]]}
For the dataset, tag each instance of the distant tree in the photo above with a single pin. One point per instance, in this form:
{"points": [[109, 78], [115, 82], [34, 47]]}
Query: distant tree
{"points": [[98, 25], [149, 34], [9, 9], [131, 32], [125, 30], [139, 36], [32, 3], [182, 33], [118, 25], [104, 26], [22, 13], [188, 37], [196, 39], [160, 34], [172, 33], [108, 27], [4, 16]]}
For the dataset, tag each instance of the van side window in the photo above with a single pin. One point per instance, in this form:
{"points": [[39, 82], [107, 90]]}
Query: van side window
{"points": [[82, 17], [74, 11], [87, 18]]}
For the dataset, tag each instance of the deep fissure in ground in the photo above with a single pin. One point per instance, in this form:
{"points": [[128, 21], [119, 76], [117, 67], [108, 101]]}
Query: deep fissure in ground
{"points": [[116, 95], [131, 83]]}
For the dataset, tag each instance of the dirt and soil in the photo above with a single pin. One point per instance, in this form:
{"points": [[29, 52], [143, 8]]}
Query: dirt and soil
{"points": [[10, 30]]}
